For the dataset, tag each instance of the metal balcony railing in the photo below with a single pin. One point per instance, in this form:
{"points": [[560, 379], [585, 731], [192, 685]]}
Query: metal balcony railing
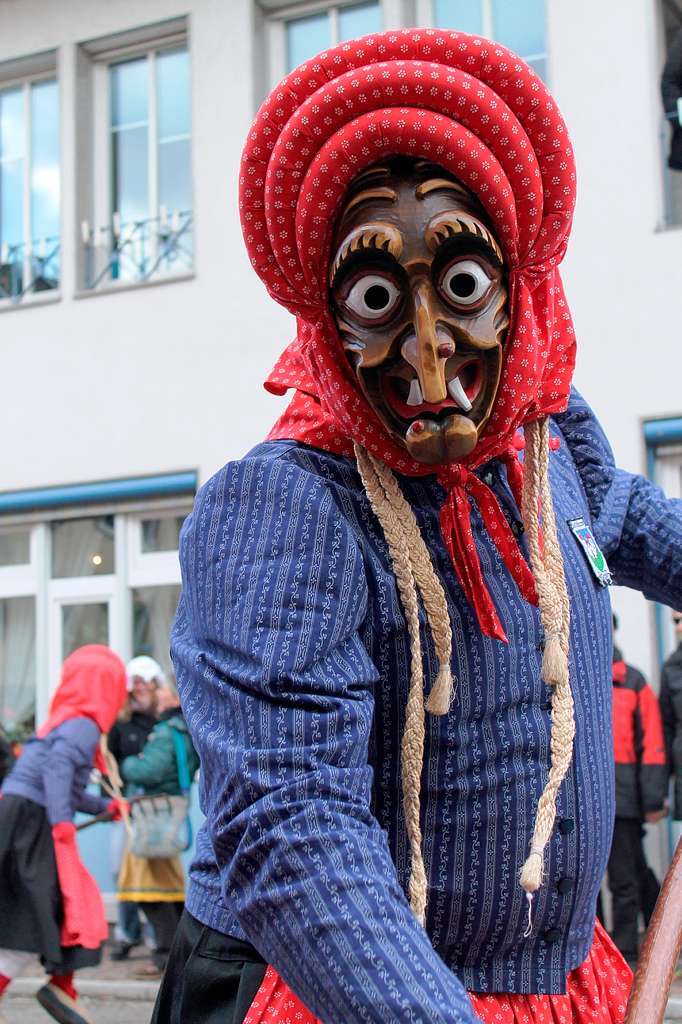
{"points": [[140, 250], [28, 267]]}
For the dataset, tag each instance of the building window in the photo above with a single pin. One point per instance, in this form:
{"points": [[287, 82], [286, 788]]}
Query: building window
{"points": [[670, 123], [29, 188], [110, 578], [143, 227], [519, 25], [295, 37]]}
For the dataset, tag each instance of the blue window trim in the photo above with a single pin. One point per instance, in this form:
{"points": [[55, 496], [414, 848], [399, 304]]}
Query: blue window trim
{"points": [[133, 488]]}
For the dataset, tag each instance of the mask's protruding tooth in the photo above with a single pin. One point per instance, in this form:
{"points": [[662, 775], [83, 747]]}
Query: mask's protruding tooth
{"points": [[458, 394], [415, 396]]}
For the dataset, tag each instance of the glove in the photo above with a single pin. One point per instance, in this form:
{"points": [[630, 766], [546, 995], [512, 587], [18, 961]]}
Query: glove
{"points": [[116, 807], [84, 923]]}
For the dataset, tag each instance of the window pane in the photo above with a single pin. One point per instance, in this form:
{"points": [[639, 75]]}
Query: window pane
{"points": [[175, 179], [520, 25], [17, 665], [130, 139], [153, 613], [173, 94], [12, 128], [15, 547], [130, 174], [306, 37], [463, 15], [359, 21], [12, 152], [129, 93], [83, 547], [84, 624], [44, 160], [161, 534]]}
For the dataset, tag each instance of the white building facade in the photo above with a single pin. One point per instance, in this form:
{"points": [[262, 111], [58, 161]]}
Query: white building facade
{"points": [[134, 336]]}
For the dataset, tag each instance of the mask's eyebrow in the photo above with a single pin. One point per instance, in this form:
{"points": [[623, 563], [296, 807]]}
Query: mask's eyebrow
{"points": [[380, 236], [455, 222], [380, 192], [442, 184]]}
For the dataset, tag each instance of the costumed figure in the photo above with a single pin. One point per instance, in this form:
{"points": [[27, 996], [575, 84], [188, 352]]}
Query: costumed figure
{"points": [[50, 906], [393, 646]]}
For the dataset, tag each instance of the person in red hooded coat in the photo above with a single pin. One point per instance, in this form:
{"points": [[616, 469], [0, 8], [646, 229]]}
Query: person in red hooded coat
{"points": [[50, 906]]}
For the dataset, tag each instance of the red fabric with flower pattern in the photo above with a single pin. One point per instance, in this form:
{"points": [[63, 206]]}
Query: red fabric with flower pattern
{"points": [[478, 110], [597, 993]]}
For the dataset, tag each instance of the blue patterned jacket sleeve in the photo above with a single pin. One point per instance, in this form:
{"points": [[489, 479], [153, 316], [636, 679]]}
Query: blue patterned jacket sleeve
{"points": [[277, 688], [637, 527]]}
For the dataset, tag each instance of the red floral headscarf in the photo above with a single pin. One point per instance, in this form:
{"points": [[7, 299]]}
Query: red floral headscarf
{"points": [[479, 111]]}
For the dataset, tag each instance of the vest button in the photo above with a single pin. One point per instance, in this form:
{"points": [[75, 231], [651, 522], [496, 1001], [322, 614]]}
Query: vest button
{"points": [[552, 935], [564, 885], [566, 826]]}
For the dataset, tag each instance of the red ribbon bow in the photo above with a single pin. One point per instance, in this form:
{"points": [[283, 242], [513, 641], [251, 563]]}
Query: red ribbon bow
{"points": [[455, 522]]}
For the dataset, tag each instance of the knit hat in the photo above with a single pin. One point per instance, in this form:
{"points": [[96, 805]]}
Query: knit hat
{"points": [[144, 667], [476, 109]]}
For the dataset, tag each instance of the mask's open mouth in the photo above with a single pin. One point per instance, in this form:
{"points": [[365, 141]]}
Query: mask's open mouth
{"points": [[403, 393]]}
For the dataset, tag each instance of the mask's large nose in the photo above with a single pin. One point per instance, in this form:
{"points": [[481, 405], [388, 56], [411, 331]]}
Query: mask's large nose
{"points": [[429, 346]]}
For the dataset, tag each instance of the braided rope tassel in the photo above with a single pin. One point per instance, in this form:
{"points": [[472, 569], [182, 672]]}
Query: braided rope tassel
{"points": [[548, 570], [430, 589], [412, 745]]}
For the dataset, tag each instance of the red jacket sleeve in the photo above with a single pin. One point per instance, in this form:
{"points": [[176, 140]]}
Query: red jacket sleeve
{"points": [[653, 770]]}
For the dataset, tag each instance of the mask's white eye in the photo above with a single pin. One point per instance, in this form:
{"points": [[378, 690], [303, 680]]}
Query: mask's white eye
{"points": [[373, 297], [465, 282]]}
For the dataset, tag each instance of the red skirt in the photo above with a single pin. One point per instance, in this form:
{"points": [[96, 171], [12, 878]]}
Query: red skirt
{"points": [[597, 993]]}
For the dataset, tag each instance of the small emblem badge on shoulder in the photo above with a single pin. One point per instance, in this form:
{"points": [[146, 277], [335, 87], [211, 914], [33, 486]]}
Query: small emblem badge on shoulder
{"points": [[583, 534]]}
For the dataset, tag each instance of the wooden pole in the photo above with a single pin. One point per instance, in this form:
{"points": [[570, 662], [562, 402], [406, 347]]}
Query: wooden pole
{"points": [[661, 950]]}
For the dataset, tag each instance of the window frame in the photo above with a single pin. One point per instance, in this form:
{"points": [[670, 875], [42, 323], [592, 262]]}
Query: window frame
{"points": [[426, 19], [132, 570], [25, 81], [102, 160], [278, 17]]}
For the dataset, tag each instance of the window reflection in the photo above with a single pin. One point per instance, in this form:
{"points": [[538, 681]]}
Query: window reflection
{"points": [[29, 170], [161, 534], [17, 665], [309, 35], [153, 614], [12, 155], [130, 128], [15, 547], [83, 547], [519, 25], [45, 184]]}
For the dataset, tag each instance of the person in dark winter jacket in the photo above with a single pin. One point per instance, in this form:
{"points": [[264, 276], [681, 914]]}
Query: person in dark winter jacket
{"points": [[155, 771], [671, 711], [641, 786], [671, 92]]}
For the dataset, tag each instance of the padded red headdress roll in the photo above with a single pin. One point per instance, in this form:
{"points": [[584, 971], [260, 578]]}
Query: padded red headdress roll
{"points": [[465, 103]]}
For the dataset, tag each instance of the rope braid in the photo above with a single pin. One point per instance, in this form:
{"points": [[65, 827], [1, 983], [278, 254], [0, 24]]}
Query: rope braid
{"points": [[548, 571], [413, 569], [415, 574]]}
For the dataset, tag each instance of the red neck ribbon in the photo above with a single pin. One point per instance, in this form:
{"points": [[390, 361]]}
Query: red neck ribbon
{"points": [[455, 523]]}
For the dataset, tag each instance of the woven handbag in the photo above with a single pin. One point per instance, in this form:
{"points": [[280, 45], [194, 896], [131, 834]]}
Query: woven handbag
{"points": [[161, 826]]}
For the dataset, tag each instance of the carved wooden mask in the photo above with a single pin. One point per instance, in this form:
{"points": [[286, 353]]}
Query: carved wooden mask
{"points": [[419, 296]]}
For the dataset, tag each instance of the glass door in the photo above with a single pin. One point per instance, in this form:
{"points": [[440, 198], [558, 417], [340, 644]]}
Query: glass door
{"points": [[79, 616]]}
